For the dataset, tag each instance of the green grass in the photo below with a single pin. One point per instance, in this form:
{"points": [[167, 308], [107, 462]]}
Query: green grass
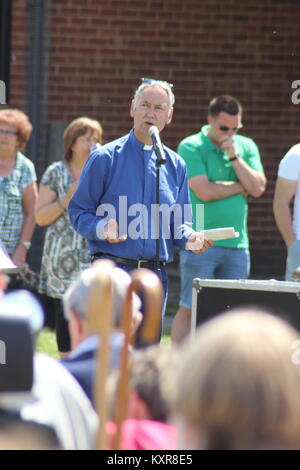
{"points": [[166, 340], [171, 308], [46, 342]]}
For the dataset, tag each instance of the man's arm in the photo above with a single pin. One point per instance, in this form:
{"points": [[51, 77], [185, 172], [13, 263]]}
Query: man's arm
{"points": [[85, 203], [284, 192], [211, 191], [29, 198], [252, 180]]}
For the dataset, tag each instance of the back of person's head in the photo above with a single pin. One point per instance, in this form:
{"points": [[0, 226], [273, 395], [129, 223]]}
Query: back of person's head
{"points": [[77, 128], [226, 104], [76, 297], [19, 121], [147, 370], [237, 387], [19, 434]]}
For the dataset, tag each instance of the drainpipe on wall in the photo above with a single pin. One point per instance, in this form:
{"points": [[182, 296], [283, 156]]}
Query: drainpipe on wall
{"points": [[36, 24], [5, 27]]}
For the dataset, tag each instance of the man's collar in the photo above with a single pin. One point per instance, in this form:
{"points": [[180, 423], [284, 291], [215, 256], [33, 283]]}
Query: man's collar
{"points": [[91, 344], [138, 143], [135, 141], [206, 139]]}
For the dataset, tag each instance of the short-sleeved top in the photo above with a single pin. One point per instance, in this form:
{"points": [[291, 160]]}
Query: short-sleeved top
{"points": [[11, 201], [65, 252], [202, 157], [289, 168]]}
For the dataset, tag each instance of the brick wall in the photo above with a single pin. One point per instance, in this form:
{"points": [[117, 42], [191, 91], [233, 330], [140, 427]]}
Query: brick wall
{"points": [[99, 50], [20, 55]]}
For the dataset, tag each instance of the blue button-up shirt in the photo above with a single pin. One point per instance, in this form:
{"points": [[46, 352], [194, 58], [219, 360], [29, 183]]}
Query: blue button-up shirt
{"points": [[119, 181]]}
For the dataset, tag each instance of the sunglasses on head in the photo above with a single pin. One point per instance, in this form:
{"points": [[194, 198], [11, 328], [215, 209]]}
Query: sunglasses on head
{"points": [[227, 129], [151, 81]]}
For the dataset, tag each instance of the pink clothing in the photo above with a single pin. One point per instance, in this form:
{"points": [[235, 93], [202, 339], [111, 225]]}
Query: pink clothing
{"points": [[145, 435]]}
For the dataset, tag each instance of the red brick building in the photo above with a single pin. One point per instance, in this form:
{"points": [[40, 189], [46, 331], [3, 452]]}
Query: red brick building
{"points": [[65, 58]]}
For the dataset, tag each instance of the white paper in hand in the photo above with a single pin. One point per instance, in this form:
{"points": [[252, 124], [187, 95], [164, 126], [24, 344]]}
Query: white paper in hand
{"points": [[6, 263], [221, 233]]}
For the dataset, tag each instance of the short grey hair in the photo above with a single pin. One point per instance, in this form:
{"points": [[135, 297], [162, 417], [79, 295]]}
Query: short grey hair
{"points": [[160, 83], [76, 296]]}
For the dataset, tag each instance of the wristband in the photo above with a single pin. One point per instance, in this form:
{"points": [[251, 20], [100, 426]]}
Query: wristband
{"points": [[27, 244], [59, 203], [236, 157]]}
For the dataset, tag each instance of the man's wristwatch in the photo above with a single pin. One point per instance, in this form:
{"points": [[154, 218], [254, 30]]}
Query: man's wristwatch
{"points": [[26, 244], [236, 157]]}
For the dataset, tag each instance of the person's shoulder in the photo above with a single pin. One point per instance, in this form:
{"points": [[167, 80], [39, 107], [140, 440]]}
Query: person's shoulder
{"points": [[192, 140], [25, 169], [290, 162], [175, 157], [56, 372], [244, 140], [113, 144], [55, 168], [80, 357], [247, 146], [25, 161], [293, 151], [57, 165], [108, 149]]}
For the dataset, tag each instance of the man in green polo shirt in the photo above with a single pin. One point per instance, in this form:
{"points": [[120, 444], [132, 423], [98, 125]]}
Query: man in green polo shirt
{"points": [[223, 169]]}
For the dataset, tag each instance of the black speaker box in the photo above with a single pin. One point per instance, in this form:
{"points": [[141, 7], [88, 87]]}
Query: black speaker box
{"points": [[214, 296]]}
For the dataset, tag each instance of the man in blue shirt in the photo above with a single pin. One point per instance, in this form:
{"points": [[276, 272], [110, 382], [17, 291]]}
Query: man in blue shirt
{"points": [[114, 206]]}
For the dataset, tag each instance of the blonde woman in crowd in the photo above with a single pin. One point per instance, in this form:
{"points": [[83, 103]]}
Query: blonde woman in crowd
{"points": [[65, 252]]}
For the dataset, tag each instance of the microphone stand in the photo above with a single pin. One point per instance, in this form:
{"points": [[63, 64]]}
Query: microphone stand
{"points": [[159, 162]]}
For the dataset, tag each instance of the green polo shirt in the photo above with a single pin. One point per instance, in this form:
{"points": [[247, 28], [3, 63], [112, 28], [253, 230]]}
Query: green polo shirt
{"points": [[204, 158]]}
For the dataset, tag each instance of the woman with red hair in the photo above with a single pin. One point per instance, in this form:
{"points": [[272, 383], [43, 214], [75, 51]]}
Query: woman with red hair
{"points": [[18, 188]]}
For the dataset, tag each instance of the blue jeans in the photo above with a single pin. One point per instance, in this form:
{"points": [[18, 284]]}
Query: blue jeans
{"points": [[216, 263], [293, 260]]}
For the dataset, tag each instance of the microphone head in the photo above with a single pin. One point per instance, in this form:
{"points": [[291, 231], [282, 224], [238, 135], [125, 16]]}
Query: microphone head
{"points": [[153, 130]]}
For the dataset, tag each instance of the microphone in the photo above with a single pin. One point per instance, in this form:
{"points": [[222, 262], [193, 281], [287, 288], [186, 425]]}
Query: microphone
{"points": [[158, 148]]}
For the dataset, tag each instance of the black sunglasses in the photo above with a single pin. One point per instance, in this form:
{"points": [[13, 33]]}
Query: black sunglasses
{"points": [[227, 129], [151, 81]]}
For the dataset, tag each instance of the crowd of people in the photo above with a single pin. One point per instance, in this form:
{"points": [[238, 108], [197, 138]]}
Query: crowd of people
{"points": [[101, 206]]}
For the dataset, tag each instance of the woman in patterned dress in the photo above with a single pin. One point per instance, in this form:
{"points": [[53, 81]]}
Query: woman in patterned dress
{"points": [[18, 188], [65, 252]]}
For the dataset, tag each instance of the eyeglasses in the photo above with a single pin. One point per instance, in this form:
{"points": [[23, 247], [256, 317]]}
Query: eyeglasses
{"points": [[8, 132], [89, 140], [151, 81], [227, 129]]}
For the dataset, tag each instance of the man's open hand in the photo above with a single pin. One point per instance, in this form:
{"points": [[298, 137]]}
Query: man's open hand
{"points": [[111, 232]]}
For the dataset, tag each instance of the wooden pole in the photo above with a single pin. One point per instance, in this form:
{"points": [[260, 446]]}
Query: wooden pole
{"points": [[147, 282], [100, 319]]}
